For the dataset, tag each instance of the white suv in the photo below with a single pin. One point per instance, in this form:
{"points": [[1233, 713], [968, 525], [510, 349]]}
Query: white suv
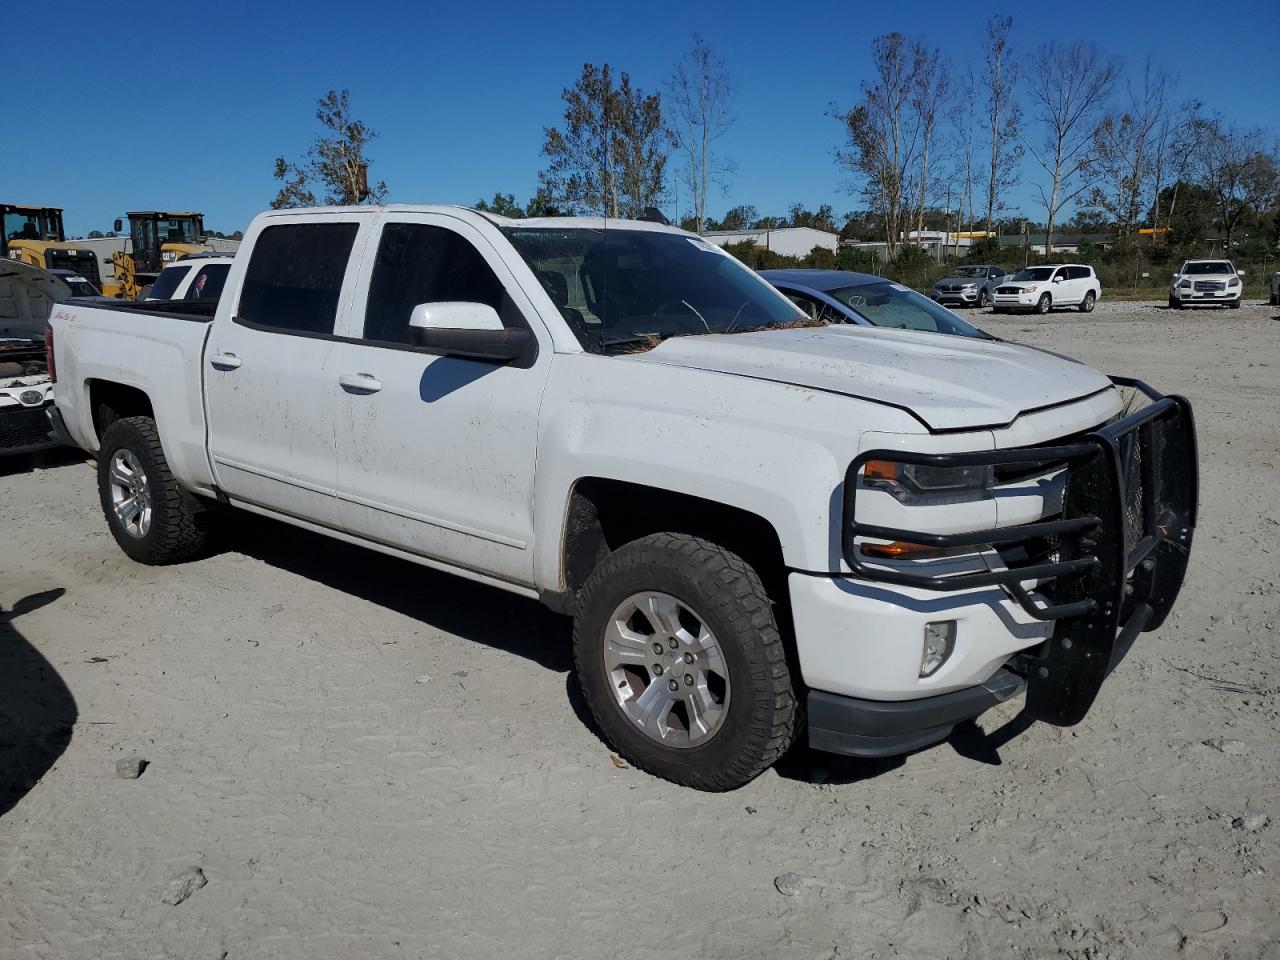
{"points": [[1041, 289], [1205, 281]]}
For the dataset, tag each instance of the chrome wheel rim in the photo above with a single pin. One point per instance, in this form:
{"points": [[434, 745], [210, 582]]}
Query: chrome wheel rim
{"points": [[130, 494], [666, 669]]}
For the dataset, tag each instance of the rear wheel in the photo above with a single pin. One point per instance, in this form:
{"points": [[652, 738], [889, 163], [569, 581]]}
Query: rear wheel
{"points": [[681, 662], [1044, 304], [153, 519], [1087, 304]]}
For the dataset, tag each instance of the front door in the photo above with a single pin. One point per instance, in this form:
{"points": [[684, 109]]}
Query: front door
{"points": [[436, 454], [270, 390]]}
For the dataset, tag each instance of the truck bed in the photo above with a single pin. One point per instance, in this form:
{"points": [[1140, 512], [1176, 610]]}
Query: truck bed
{"points": [[195, 311]]}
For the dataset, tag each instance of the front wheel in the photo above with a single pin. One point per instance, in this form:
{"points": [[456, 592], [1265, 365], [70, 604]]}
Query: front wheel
{"points": [[153, 519], [1087, 304], [1045, 303], [1235, 304], [681, 662], [984, 299]]}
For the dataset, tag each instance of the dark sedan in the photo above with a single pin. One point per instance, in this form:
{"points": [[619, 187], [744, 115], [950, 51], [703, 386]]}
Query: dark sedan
{"points": [[840, 296]]}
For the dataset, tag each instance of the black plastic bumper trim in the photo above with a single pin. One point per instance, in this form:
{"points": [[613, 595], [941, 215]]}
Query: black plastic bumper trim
{"points": [[855, 727]]}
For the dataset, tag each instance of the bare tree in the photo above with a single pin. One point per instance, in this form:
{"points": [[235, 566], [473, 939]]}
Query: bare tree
{"points": [[1175, 143], [335, 160], [611, 156], [1003, 115], [1127, 148], [1071, 84], [882, 135], [964, 122], [931, 92], [700, 98]]}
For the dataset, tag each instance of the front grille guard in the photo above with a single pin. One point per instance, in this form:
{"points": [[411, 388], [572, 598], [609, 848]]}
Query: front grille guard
{"points": [[1121, 543]]}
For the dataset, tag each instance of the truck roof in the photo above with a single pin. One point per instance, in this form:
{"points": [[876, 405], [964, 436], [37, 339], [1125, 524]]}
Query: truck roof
{"points": [[590, 223]]}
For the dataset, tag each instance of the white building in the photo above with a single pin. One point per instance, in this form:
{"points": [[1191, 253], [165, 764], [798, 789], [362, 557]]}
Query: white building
{"points": [[787, 241]]}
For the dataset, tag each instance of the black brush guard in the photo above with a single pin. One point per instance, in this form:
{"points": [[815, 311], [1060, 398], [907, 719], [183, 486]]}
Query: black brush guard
{"points": [[1112, 563]]}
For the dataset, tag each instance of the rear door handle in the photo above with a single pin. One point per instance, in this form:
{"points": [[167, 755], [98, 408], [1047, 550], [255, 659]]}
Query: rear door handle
{"points": [[225, 361], [360, 383]]}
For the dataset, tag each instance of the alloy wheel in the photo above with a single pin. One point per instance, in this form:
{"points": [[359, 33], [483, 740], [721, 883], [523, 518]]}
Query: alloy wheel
{"points": [[666, 669]]}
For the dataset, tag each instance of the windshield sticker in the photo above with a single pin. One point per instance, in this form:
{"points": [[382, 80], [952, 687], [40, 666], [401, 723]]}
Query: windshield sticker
{"points": [[703, 245]]}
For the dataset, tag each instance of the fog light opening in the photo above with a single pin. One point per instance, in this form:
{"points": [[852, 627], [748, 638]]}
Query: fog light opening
{"points": [[939, 642]]}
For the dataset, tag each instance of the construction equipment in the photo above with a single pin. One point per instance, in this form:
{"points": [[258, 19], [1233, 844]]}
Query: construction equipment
{"points": [[34, 236], [156, 239]]}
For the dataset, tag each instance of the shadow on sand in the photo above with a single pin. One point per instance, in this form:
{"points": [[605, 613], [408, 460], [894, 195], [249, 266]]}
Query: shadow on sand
{"points": [[37, 711]]}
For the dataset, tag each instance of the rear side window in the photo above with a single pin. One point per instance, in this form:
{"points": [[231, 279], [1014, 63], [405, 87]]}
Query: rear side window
{"points": [[169, 280], [295, 275], [1080, 273], [418, 263], [208, 282]]}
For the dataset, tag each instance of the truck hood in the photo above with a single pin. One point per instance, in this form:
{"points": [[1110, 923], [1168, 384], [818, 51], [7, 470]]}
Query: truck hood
{"points": [[946, 382]]}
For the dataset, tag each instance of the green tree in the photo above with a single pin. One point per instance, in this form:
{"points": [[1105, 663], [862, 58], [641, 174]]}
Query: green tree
{"points": [[503, 204], [335, 161], [611, 156]]}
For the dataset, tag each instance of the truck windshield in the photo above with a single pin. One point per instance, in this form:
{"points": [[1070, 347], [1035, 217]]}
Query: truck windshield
{"points": [[621, 288]]}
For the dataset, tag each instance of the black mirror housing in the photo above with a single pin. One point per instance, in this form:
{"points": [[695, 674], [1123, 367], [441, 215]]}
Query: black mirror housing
{"points": [[514, 346]]}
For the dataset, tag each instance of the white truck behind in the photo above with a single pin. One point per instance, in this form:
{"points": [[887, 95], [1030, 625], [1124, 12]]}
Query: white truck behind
{"points": [[751, 519]]}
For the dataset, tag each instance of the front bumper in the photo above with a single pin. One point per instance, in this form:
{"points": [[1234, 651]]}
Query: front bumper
{"points": [[1205, 296], [966, 297], [1106, 569], [856, 727], [25, 429]]}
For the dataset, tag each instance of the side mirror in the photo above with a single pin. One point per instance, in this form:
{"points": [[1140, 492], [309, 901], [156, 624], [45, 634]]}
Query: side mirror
{"points": [[118, 226], [1057, 279], [472, 331], [1239, 273]]}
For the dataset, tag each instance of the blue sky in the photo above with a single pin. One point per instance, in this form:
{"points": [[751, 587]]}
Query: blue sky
{"points": [[188, 110]]}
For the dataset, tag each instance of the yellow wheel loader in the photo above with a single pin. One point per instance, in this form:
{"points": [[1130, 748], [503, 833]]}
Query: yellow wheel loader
{"points": [[156, 239], [34, 235]]}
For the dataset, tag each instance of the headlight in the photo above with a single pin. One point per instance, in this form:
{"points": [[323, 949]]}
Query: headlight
{"points": [[970, 286], [1185, 285], [915, 483], [1233, 282]]}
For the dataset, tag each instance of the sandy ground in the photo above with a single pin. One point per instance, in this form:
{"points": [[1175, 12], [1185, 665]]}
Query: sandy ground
{"points": [[367, 759]]}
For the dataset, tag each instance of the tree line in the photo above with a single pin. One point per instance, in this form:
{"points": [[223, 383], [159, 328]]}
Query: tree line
{"points": [[926, 143]]}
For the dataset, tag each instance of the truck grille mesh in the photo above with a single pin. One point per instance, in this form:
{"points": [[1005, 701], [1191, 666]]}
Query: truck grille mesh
{"points": [[24, 427]]}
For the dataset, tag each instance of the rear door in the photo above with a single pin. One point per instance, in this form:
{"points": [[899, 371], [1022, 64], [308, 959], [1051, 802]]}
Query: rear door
{"points": [[435, 453], [270, 392]]}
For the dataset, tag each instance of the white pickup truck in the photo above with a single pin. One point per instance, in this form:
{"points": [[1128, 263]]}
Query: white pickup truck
{"points": [[760, 526]]}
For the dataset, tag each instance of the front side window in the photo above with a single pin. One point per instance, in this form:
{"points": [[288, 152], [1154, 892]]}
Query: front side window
{"points": [[887, 304], [295, 275], [169, 280], [618, 289], [208, 283], [419, 263]]}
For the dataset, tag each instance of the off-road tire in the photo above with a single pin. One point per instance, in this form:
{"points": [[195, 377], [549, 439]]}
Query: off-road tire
{"points": [[178, 523], [1044, 304], [1088, 303], [762, 715]]}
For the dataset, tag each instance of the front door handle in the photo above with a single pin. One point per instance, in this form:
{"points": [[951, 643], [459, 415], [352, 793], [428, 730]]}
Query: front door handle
{"points": [[360, 383], [225, 361]]}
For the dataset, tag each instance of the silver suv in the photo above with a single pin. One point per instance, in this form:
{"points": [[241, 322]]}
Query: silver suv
{"points": [[970, 286]]}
